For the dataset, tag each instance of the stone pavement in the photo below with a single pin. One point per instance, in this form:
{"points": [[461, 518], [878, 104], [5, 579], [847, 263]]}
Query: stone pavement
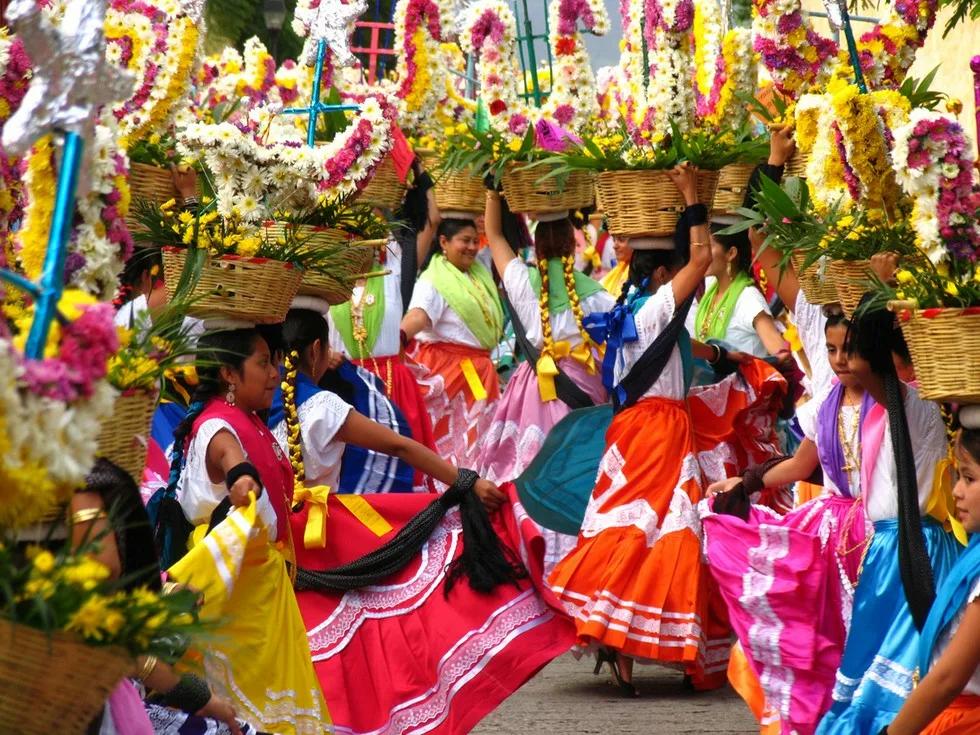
{"points": [[565, 699]]}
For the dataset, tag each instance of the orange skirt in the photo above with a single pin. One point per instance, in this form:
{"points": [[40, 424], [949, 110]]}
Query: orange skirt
{"points": [[962, 717], [747, 685], [461, 389]]}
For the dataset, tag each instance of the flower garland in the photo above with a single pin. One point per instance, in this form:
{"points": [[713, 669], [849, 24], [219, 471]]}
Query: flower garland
{"points": [[798, 58], [249, 172], [158, 41], [418, 33], [723, 65], [490, 32], [573, 100], [51, 409], [632, 85], [933, 164], [670, 97]]}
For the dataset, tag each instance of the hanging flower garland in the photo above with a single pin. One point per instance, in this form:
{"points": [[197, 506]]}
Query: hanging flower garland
{"points": [[51, 409], [798, 58], [158, 41], [933, 164], [723, 65], [573, 100], [15, 73], [490, 32], [671, 95], [631, 85], [418, 33]]}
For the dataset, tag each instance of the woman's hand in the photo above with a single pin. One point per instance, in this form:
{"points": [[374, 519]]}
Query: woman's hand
{"points": [[489, 495], [219, 709], [240, 490], [781, 145], [723, 486], [185, 181], [884, 266], [685, 178], [334, 359]]}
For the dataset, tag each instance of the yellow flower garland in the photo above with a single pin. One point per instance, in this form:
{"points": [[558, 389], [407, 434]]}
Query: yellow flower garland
{"points": [[41, 185]]}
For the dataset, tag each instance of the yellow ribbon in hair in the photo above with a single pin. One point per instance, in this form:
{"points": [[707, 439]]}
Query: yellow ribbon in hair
{"points": [[362, 511], [590, 255], [473, 379], [315, 533], [941, 505], [547, 365]]}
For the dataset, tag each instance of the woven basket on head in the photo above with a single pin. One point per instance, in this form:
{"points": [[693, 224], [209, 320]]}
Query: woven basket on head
{"points": [[334, 283], [324, 237], [733, 182], [152, 183], [955, 335], [849, 277], [124, 435], [250, 289], [646, 202], [56, 684], [817, 288], [385, 189], [459, 191], [527, 193], [796, 165]]}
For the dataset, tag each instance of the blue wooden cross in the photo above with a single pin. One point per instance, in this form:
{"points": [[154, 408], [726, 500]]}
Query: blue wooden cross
{"points": [[47, 295], [316, 106]]}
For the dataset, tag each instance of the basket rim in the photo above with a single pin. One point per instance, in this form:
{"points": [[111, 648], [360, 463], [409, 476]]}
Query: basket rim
{"points": [[232, 257]]}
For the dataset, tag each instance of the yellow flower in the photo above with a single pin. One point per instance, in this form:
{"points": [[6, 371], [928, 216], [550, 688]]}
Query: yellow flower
{"points": [[90, 617], [155, 139], [951, 289], [44, 562], [87, 573], [114, 622], [43, 587], [904, 277], [156, 621], [515, 145]]}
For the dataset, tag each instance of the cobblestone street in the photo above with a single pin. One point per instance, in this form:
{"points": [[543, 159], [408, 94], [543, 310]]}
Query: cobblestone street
{"points": [[566, 699]]}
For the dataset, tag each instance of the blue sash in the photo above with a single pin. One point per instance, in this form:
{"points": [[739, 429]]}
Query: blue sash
{"points": [[950, 599]]}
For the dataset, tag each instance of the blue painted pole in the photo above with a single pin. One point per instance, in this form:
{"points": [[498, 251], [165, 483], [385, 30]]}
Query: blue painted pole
{"points": [[20, 282], [852, 49], [321, 53], [53, 273]]}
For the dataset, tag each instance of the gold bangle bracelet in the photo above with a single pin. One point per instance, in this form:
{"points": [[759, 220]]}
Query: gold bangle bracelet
{"points": [[491, 194], [148, 666], [87, 515], [699, 244], [170, 587]]}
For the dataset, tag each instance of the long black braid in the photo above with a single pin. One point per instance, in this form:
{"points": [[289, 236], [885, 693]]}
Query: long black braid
{"points": [[171, 527], [874, 337]]}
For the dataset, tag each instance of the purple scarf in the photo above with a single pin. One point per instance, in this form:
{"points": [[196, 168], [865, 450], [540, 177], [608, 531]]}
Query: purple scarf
{"points": [[829, 447]]}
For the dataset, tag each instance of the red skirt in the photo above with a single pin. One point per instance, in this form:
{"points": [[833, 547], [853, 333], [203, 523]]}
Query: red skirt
{"points": [[402, 658], [406, 395]]}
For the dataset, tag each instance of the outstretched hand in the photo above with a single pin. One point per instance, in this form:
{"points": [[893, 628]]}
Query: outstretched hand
{"points": [[489, 494], [723, 486]]}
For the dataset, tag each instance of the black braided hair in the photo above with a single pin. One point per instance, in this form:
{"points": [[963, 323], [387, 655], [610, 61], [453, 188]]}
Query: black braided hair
{"points": [[302, 328], [874, 336], [739, 241], [448, 228], [223, 348], [142, 260], [554, 239]]}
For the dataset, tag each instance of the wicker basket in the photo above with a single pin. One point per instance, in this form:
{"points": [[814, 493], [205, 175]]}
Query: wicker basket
{"points": [[526, 193], [953, 334], [152, 183], [330, 289], [324, 237], [124, 435], [384, 189], [816, 289], [458, 191], [733, 182], [797, 163], [251, 289], [646, 202], [56, 684], [335, 284], [848, 277]]}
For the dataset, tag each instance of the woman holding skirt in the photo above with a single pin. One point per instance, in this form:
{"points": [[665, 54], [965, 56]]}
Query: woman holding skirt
{"points": [[456, 319], [635, 582], [549, 301]]}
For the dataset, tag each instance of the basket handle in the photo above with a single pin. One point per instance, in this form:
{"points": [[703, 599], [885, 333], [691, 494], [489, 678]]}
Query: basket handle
{"points": [[898, 306], [369, 243]]}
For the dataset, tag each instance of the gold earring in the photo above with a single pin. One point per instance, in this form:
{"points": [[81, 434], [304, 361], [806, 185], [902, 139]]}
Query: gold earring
{"points": [[230, 395], [730, 269]]}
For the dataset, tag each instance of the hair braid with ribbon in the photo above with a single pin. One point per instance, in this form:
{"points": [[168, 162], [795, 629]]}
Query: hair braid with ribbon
{"points": [[548, 342], [568, 269], [294, 438]]}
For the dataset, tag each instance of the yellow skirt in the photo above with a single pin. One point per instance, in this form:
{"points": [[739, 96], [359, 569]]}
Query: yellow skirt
{"points": [[258, 656]]}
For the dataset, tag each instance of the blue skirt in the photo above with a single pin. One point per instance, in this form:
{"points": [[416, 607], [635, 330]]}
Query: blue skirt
{"points": [[877, 669]]}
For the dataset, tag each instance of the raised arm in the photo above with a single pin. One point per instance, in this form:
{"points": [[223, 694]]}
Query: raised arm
{"points": [[427, 234], [501, 250], [781, 147], [686, 281]]}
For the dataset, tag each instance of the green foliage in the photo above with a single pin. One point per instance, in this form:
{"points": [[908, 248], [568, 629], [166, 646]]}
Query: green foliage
{"points": [[235, 21], [918, 91]]}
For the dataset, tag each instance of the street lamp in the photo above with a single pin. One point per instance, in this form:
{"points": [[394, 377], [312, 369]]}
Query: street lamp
{"points": [[275, 17]]}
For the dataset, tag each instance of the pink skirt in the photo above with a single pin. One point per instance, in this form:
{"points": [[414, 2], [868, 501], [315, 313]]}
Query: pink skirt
{"points": [[788, 582], [522, 420]]}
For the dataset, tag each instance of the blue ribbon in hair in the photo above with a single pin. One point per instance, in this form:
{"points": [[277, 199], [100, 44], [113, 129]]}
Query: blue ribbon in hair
{"points": [[615, 328]]}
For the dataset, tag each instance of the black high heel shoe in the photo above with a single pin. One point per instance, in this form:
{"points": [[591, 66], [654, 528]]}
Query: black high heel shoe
{"points": [[606, 656]]}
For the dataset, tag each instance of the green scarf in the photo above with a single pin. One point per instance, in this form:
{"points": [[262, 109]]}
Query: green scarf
{"points": [[717, 320], [473, 296], [372, 315], [557, 293]]}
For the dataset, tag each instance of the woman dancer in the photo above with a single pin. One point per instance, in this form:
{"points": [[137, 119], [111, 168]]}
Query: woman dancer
{"points": [[549, 302], [222, 450], [947, 700], [457, 319], [902, 440], [366, 330], [811, 592], [616, 279], [635, 582]]}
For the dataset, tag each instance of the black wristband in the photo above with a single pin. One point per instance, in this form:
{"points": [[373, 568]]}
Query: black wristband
{"points": [[696, 214], [720, 353], [240, 470], [465, 480], [191, 694]]}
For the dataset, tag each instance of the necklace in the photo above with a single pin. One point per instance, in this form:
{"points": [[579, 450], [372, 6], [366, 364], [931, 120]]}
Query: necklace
{"points": [[849, 441], [716, 310], [360, 334], [483, 301]]}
